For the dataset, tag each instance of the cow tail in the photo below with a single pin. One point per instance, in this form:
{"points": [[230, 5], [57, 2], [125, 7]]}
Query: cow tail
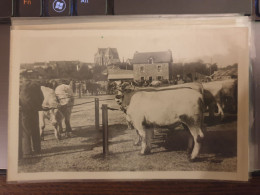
{"points": [[202, 127]]}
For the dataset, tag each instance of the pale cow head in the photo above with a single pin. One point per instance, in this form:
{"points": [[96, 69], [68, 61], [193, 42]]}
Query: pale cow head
{"points": [[124, 93]]}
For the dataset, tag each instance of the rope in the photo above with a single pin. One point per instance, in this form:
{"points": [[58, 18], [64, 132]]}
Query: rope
{"points": [[47, 109], [106, 100], [109, 108], [83, 103]]}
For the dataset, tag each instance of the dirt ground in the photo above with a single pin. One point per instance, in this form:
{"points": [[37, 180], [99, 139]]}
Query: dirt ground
{"points": [[83, 151]]}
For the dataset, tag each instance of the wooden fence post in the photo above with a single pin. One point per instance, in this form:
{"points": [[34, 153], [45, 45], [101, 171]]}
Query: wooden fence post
{"points": [[79, 90], [97, 113], [105, 129]]}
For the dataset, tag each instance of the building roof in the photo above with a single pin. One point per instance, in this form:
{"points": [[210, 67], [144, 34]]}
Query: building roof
{"points": [[120, 74], [223, 72], [158, 57], [111, 51]]}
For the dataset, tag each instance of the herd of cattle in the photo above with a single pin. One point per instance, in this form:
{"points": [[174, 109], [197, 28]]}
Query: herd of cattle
{"points": [[171, 106], [150, 107]]}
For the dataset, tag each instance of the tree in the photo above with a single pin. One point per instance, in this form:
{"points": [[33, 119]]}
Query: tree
{"points": [[84, 73], [213, 68], [98, 73]]}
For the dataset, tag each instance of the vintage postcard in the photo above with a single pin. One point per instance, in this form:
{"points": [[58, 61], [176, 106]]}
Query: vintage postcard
{"points": [[171, 95]]}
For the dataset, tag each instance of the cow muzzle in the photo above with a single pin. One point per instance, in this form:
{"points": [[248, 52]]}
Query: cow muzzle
{"points": [[119, 96]]}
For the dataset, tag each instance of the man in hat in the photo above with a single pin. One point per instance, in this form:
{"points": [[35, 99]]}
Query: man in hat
{"points": [[30, 102]]}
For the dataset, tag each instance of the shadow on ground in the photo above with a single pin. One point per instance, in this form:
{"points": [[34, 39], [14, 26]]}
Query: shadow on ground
{"points": [[221, 143], [94, 139], [92, 133], [217, 120]]}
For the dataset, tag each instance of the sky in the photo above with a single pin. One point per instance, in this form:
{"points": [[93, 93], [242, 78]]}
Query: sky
{"points": [[223, 46]]}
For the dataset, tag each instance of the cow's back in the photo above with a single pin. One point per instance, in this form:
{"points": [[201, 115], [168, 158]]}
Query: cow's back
{"points": [[165, 107], [128, 95]]}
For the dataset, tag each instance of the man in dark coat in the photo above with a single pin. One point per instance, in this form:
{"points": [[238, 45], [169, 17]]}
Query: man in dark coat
{"points": [[30, 102]]}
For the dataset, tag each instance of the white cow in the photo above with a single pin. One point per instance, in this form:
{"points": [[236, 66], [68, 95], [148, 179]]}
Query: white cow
{"points": [[166, 108], [57, 105], [126, 91]]}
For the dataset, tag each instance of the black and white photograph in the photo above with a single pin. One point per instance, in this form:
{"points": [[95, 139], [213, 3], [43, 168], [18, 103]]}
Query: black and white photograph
{"points": [[134, 103]]}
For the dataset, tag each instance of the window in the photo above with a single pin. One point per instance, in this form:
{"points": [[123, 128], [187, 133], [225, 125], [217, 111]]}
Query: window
{"points": [[159, 78], [142, 78], [150, 79], [159, 68], [150, 61], [141, 69]]}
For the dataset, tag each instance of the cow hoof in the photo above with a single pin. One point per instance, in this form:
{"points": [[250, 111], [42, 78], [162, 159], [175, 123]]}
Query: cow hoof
{"points": [[193, 160], [144, 154], [58, 137], [68, 134], [137, 143], [146, 151], [199, 139]]}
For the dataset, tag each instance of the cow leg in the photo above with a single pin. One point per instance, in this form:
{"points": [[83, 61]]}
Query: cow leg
{"points": [[146, 139], [197, 136], [190, 144], [143, 135], [190, 139], [220, 111], [68, 127], [138, 140], [67, 123], [149, 137], [59, 129], [211, 110], [41, 124], [56, 131]]}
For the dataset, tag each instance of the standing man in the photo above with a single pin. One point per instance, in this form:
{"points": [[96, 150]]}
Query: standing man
{"points": [[30, 102]]}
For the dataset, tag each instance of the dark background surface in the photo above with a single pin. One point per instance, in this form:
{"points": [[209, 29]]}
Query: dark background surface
{"points": [[4, 72], [181, 6], [134, 187]]}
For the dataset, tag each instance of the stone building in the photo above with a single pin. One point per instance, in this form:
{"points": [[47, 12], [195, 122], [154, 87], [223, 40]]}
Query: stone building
{"points": [[106, 56], [152, 65]]}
